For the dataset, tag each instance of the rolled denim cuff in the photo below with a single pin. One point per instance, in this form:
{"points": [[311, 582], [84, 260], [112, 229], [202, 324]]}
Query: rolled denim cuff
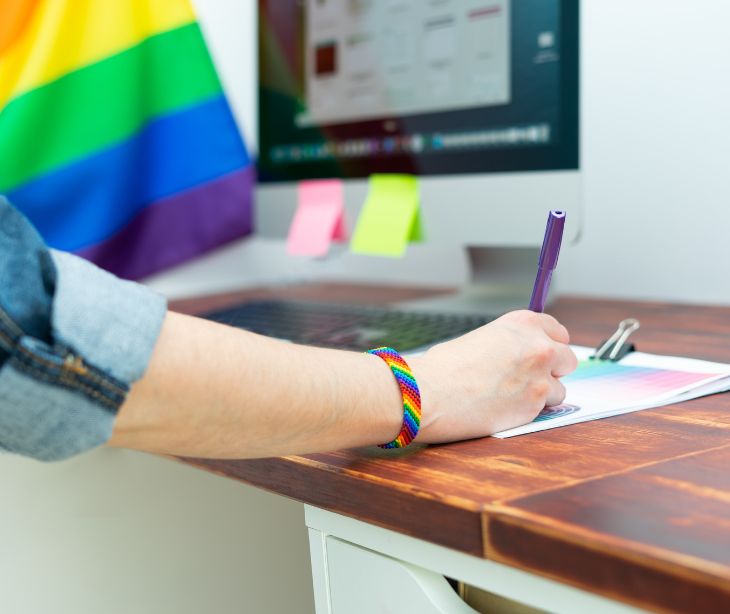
{"points": [[111, 323], [60, 398], [46, 421]]}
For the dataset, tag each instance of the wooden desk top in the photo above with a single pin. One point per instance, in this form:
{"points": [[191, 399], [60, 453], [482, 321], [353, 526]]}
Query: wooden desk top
{"points": [[635, 507]]}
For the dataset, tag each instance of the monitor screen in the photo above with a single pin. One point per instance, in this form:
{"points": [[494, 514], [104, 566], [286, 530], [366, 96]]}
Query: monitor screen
{"points": [[348, 88]]}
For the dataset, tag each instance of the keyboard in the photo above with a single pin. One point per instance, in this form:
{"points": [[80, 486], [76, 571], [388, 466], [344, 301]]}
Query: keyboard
{"points": [[348, 327]]}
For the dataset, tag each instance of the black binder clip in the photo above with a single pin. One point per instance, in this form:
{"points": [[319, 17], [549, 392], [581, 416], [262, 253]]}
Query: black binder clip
{"points": [[616, 346]]}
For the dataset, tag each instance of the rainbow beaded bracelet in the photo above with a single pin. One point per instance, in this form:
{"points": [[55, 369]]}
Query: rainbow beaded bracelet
{"points": [[411, 396]]}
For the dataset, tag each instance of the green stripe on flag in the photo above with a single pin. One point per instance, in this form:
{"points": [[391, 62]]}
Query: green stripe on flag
{"points": [[103, 103]]}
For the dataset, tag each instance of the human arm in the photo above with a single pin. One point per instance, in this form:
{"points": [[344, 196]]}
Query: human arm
{"points": [[215, 391]]}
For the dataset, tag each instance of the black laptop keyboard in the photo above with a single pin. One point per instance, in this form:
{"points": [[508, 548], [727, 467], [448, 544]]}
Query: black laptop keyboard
{"points": [[350, 327]]}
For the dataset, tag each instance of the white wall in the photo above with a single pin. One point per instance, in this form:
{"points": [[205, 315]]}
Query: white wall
{"points": [[656, 152], [118, 532], [115, 532]]}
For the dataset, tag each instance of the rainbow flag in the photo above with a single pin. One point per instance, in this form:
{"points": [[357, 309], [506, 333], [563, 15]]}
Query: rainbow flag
{"points": [[116, 139]]}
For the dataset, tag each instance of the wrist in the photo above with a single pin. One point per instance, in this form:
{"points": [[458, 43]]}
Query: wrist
{"points": [[429, 394]]}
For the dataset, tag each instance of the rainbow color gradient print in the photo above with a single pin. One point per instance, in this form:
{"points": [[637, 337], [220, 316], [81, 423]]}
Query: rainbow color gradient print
{"points": [[116, 139], [600, 389]]}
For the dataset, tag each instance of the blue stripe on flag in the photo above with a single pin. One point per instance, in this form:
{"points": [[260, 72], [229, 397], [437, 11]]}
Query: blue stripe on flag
{"points": [[90, 200]]}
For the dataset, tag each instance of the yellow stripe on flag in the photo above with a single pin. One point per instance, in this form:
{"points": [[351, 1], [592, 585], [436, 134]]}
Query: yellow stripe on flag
{"points": [[64, 35]]}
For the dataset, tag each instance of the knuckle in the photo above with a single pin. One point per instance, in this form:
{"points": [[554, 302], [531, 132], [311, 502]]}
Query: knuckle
{"points": [[566, 333], [543, 353], [539, 390]]}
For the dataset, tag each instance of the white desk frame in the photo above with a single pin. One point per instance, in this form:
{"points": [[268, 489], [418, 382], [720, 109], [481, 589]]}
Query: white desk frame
{"points": [[359, 568]]}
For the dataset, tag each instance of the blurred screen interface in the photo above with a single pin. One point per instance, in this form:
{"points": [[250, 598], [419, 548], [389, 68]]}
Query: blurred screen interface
{"points": [[352, 87]]}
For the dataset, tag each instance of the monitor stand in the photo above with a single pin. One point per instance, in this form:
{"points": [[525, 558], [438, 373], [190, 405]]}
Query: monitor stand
{"points": [[501, 280]]}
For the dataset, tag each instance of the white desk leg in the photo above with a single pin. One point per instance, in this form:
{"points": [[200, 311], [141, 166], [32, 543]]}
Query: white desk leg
{"points": [[352, 580], [364, 582], [422, 561], [320, 572]]}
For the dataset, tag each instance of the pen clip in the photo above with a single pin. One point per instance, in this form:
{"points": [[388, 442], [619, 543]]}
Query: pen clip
{"points": [[615, 347]]}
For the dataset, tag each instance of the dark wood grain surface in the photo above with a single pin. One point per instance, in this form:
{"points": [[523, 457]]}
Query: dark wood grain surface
{"points": [[635, 507]]}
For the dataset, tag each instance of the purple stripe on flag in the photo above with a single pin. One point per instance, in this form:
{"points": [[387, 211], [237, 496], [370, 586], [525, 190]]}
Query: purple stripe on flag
{"points": [[179, 227]]}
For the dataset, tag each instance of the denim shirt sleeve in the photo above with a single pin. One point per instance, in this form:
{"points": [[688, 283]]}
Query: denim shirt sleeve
{"points": [[73, 338]]}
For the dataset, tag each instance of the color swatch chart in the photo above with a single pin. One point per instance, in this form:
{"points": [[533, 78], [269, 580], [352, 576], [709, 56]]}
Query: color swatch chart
{"points": [[606, 383], [600, 389]]}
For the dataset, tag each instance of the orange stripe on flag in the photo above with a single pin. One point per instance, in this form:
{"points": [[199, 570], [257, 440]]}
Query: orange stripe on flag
{"points": [[15, 17]]}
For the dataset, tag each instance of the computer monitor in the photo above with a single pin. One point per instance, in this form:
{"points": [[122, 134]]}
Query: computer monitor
{"points": [[479, 98]]}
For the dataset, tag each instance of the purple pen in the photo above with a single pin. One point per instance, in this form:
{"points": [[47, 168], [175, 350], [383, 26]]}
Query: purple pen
{"points": [[548, 259]]}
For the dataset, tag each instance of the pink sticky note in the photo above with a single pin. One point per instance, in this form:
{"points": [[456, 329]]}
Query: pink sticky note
{"points": [[319, 219]]}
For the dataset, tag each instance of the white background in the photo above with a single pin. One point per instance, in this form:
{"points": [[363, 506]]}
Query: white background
{"points": [[117, 532]]}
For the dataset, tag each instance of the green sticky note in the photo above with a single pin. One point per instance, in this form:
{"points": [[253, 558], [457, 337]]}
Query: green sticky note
{"points": [[390, 218]]}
